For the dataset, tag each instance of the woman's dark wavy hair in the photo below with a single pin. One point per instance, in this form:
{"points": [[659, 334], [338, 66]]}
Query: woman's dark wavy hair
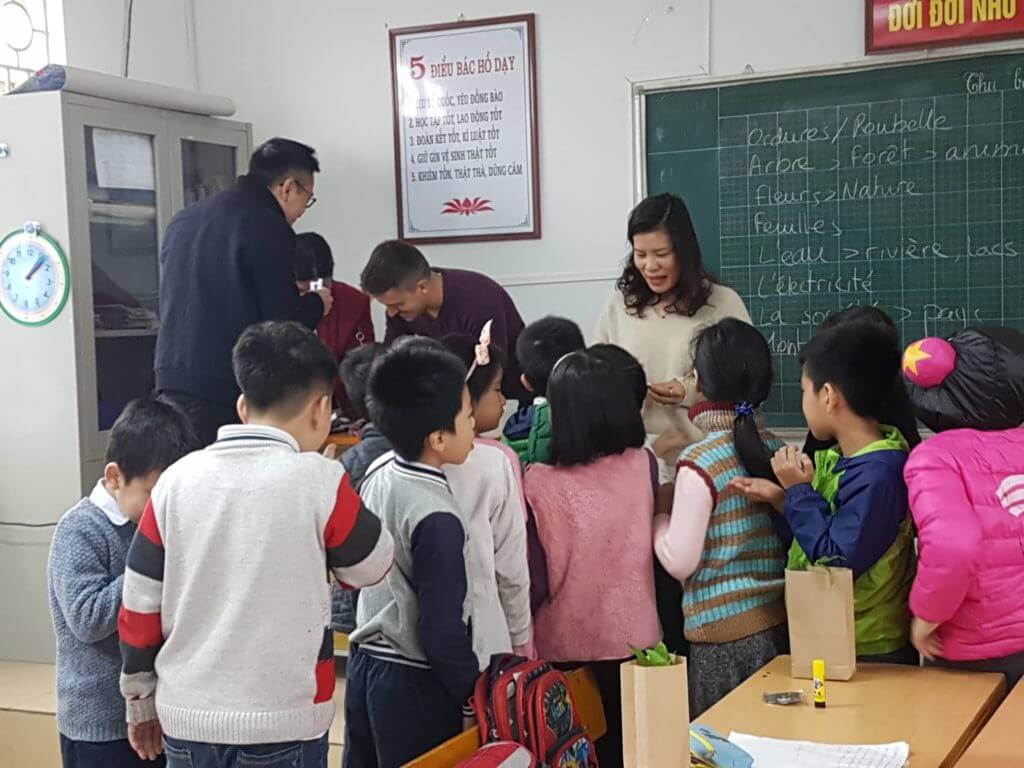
{"points": [[667, 213]]}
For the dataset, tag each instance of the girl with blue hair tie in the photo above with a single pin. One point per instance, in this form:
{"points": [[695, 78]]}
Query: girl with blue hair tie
{"points": [[723, 547]]}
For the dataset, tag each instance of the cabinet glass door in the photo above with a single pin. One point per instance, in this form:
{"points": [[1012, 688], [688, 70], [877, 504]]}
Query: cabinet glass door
{"points": [[206, 169], [121, 180]]}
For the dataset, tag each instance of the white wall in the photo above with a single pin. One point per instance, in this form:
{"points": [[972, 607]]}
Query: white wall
{"points": [[160, 51], [319, 72]]}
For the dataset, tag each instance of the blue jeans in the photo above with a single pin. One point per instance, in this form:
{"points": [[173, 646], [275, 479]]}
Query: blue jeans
{"points": [[292, 754], [102, 754]]}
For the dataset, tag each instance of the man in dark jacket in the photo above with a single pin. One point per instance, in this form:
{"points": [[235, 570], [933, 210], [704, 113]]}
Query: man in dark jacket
{"points": [[226, 264]]}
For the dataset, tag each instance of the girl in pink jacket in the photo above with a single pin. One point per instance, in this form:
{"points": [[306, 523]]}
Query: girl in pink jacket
{"points": [[966, 488]]}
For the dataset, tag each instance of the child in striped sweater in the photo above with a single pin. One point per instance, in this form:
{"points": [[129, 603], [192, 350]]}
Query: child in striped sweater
{"points": [[724, 548], [224, 625]]}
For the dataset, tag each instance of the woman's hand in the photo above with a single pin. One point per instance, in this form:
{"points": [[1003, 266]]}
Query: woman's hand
{"points": [[922, 635], [759, 490], [670, 392], [792, 467]]}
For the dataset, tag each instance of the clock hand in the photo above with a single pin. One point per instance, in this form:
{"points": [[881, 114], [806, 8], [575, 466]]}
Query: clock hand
{"points": [[35, 268]]}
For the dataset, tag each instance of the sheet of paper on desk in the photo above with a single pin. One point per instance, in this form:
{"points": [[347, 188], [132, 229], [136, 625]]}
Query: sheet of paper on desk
{"points": [[777, 753]]}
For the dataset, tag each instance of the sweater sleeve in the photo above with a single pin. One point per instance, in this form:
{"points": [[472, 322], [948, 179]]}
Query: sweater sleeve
{"points": [[139, 623], [89, 595], [439, 566], [948, 531], [679, 537], [869, 509], [508, 526], [269, 252], [537, 559], [603, 331], [729, 304], [360, 550], [364, 328]]}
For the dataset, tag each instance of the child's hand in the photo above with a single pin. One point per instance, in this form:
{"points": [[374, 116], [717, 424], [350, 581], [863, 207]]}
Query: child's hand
{"points": [[146, 739], [759, 490], [792, 467], [668, 392], [922, 635]]}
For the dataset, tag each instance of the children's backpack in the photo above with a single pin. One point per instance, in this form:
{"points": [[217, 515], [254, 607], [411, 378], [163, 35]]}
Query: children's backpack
{"points": [[530, 703], [500, 754]]}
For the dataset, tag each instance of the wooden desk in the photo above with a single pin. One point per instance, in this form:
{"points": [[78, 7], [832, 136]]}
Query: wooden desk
{"points": [[999, 743], [937, 711]]}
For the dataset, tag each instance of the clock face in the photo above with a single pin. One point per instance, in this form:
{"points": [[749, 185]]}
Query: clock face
{"points": [[33, 278]]}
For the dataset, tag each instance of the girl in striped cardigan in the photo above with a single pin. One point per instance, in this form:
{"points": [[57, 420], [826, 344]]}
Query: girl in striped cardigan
{"points": [[722, 547]]}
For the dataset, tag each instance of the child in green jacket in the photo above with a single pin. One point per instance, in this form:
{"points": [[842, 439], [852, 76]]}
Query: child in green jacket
{"points": [[539, 347]]}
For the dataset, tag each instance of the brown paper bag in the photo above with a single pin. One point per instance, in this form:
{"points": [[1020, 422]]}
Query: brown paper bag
{"points": [[819, 604], [655, 715]]}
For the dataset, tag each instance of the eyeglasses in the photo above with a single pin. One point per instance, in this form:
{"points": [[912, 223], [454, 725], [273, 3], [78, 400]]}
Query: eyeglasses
{"points": [[312, 198]]}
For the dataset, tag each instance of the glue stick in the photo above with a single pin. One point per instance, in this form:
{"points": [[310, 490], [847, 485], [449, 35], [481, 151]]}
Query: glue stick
{"points": [[818, 672]]}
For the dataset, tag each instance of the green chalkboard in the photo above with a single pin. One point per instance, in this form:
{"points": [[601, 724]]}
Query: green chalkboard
{"points": [[900, 186]]}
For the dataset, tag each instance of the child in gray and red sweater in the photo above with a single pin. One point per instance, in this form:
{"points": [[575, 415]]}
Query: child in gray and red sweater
{"points": [[247, 528]]}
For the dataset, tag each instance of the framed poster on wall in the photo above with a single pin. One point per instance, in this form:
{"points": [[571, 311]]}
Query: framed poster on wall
{"points": [[465, 121]]}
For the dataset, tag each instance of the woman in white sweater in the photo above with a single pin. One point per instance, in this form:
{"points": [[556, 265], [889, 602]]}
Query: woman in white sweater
{"points": [[664, 296]]}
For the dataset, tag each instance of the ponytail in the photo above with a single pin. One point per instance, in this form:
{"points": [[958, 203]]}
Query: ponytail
{"points": [[749, 444]]}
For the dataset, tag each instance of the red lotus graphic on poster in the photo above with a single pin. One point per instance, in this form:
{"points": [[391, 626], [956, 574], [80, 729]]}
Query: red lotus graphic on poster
{"points": [[467, 207]]}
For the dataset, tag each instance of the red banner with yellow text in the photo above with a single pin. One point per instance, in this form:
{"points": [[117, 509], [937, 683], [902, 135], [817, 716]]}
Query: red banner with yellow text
{"points": [[892, 25]]}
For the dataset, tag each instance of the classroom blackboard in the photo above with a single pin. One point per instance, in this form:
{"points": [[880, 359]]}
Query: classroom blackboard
{"points": [[899, 186]]}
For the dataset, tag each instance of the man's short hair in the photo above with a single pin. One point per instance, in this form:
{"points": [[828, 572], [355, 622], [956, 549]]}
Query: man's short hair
{"points": [[149, 436], [276, 159], [393, 264], [415, 389], [280, 366]]}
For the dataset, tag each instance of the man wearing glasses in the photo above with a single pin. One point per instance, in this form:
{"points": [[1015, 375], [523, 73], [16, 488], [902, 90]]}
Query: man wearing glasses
{"points": [[226, 264]]}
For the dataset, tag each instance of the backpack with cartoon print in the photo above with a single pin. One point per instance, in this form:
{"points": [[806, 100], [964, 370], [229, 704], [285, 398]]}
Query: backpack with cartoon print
{"points": [[530, 703]]}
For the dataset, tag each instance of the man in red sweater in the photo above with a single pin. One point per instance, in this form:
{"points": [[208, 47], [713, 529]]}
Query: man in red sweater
{"points": [[434, 302]]}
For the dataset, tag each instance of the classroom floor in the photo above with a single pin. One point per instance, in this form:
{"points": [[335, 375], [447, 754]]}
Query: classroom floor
{"points": [[28, 729]]}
